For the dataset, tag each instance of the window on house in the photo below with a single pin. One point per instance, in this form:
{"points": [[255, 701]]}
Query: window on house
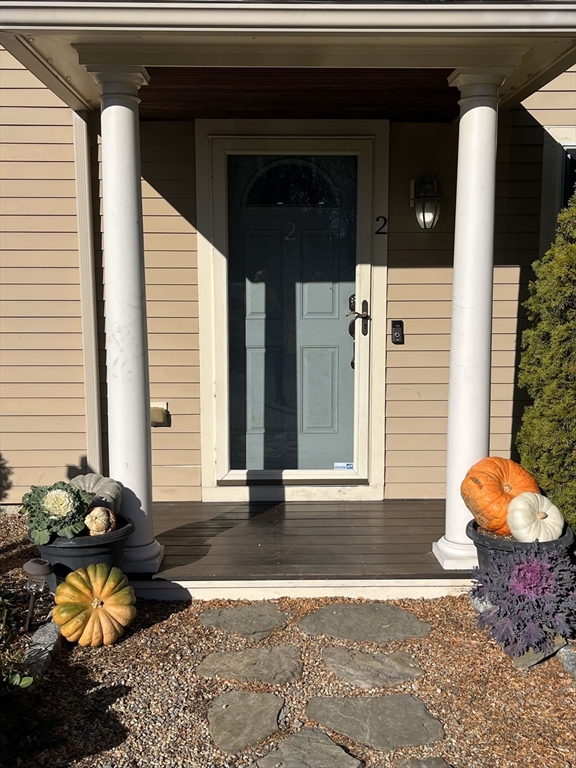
{"points": [[569, 181]]}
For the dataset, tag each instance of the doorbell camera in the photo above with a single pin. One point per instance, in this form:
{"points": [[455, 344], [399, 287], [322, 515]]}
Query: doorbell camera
{"points": [[397, 331]]}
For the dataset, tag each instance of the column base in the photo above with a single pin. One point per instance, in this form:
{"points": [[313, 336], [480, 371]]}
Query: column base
{"points": [[455, 557], [143, 559]]}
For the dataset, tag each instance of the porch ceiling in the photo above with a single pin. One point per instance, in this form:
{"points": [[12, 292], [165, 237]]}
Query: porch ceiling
{"points": [[410, 95]]}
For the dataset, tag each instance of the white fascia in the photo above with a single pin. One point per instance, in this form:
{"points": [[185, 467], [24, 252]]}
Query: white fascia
{"points": [[548, 18]]}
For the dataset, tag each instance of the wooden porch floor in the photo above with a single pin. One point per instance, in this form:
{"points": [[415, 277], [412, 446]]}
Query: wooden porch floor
{"points": [[274, 541]]}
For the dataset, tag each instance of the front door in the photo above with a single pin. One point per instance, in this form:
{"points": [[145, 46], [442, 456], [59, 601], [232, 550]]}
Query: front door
{"points": [[291, 250], [292, 224]]}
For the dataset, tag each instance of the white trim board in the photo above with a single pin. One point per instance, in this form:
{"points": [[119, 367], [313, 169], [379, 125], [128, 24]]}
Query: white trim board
{"points": [[371, 589], [214, 138], [87, 291]]}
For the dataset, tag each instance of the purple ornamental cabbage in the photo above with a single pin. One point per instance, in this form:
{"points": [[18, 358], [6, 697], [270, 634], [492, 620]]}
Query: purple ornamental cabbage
{"points": [[532, 593]]}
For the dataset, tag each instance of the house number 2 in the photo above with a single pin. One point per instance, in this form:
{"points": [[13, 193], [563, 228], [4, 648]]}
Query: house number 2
{"points": [[381, 229], [289, 235]]}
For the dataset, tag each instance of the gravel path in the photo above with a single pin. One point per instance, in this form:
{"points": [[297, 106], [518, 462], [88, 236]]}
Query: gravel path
{"points": [[139, 703]]}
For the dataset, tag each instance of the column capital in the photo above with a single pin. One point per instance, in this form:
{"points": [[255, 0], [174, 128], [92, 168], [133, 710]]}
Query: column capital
{"points": [[126, 78], [490, 76]]}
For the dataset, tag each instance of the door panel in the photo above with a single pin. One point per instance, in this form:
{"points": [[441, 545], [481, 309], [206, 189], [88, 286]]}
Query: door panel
{"points": [[292, 261], [319, 390], [320, 274]]}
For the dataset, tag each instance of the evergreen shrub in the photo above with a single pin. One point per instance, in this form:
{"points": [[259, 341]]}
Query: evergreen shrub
{"points": [[547, 436]]}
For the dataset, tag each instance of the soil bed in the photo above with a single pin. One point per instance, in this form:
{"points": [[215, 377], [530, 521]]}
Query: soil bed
{"points": [[139, 703]]}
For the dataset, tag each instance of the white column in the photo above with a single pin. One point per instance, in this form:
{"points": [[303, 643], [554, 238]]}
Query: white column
{"points": [[471, 334], [126, 329]]}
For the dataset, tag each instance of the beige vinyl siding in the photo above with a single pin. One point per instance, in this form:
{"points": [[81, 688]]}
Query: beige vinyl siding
{"points": [[169, 192], [169, 207], [42, 410], [420, 290], [554, 107]]}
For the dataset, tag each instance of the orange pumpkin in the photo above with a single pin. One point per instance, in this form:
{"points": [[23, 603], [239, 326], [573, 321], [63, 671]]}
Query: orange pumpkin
{"points": [[488, 488], [94, 605]]}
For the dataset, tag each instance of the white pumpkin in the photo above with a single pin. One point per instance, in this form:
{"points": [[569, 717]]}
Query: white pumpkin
{"points": [[101, 488], [532, 516]]}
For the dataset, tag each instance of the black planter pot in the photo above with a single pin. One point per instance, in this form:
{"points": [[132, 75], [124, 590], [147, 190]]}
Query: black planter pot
{"points": [[485, 544], [66, 555]]}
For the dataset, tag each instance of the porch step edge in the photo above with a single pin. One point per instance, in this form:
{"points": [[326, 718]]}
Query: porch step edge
{"points": [[373, 589]]}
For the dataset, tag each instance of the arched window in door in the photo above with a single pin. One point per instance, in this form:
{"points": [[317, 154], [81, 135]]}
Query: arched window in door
{"points": [[291, 182]]}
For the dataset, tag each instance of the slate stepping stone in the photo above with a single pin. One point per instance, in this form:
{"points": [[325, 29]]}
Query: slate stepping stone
{"points": [[373, 622], [385, 722], [371, 670], [277, 665], [426, 762], [310, 748], [255, 621], [241, 718]]}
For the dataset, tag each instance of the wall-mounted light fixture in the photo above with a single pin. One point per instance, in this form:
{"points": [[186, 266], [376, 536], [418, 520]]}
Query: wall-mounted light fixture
{"points": [[425, 200]]}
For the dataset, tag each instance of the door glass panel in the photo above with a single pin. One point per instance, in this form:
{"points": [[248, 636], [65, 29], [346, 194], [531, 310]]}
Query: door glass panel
{"points": [[291, 272]]}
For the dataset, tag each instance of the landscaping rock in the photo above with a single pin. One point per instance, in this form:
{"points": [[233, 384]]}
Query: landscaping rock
{"points": [[255, 621], [567, 656], [386, 722], [425, 762], [45, 641], [374, 622], [276, 665], [310, 748], [530, 658], [371, 670], [241, 718], [480, 604]]}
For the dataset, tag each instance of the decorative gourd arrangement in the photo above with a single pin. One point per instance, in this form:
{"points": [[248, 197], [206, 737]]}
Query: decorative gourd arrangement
{"points": [[505, 500], [67, 509], [94, 605], [532, 516], [489, 487]]}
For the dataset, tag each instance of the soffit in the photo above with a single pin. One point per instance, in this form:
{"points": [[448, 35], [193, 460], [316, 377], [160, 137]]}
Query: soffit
{"points": [[410, 95]]}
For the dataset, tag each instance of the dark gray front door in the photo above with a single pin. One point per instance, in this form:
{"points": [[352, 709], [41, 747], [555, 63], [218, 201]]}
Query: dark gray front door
{"points": [[292, 261]]}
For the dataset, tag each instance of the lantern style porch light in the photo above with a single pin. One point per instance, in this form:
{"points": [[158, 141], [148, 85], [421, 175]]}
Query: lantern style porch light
{"points": [[425, 200], [36, 570]]}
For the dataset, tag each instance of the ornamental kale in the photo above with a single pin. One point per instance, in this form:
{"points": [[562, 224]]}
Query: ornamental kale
{"points": [[532, 597], [59, 509]]}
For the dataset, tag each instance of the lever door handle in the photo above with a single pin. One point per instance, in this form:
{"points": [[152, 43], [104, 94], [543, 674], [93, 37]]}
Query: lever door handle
{"points": [[364, 316]]}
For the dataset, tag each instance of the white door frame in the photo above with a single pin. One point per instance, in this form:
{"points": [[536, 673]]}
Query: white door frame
{"points": [[369, 141]]}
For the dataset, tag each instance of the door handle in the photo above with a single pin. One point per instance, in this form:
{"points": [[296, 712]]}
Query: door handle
{"points": [[363, 315]]}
